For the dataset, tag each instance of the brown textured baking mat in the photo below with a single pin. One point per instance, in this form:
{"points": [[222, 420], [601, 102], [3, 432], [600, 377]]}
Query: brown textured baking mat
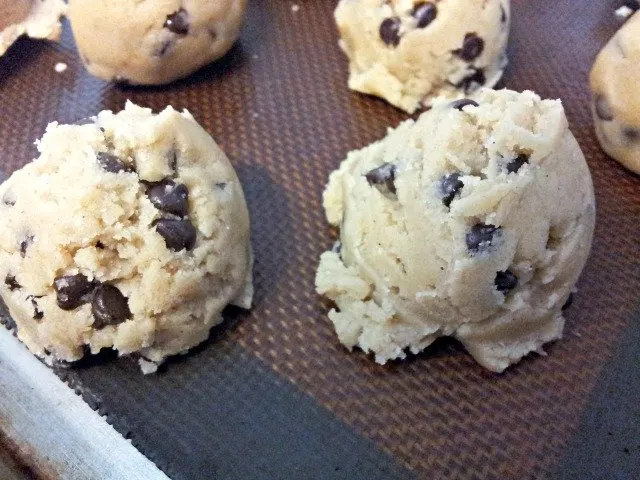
{"points": [[273, 395]]}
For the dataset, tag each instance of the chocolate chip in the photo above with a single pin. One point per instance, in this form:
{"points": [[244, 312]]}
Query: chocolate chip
{"points": [[173, 163], [73, 291], [177, 22], [568, 303], [631, 134], [113, 164], [24, 244], [472, 47], [450, 185], [37, 313], [390, 31], [99, 245], [463, 102], [480, 236], [603, 109], [178, 234], [472, 81], [337, 248], [11, 282], [109, 306], [383, 178], [505, 281], [8, 200], [424, 13], [632, 4], [221, 185], [170, 197], [514, 165], [503, 14]]}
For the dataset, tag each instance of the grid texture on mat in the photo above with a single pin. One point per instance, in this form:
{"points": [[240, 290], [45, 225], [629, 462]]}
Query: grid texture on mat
{"points": [[278, 105]]}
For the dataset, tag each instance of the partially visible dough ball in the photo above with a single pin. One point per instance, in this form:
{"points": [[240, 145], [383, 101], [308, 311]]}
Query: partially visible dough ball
{"points": [[129, 232], [615, 88], [410, 51], [153, 42], [34, 18], [475, 221]]}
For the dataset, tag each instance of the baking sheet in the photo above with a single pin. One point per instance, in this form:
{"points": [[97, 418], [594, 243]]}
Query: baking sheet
{"points": [[272, 394]]}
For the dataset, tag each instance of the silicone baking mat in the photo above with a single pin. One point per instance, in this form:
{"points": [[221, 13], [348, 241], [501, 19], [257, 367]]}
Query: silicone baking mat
{"points": [[272, 394]]}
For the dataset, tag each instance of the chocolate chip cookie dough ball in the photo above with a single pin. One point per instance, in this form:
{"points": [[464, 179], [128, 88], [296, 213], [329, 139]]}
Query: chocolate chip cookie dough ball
{"points": [[475, 221], [34, 18], [129, 232], [150, 42], [410, 51], [615, 89]]}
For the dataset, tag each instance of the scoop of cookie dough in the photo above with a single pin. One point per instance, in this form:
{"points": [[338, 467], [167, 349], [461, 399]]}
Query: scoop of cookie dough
{"points": [[410, 51], [35, 18], [475, 221], [615, 88], [151, 43], [130, 232]]}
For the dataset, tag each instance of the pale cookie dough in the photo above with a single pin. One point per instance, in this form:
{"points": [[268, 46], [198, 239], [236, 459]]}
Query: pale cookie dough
{"points": [[411, 51], [615, 89], [150, 42], [475, 221], [130, 232], [35, 18]]}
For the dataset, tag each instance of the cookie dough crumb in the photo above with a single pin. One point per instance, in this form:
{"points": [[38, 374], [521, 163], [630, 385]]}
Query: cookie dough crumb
{"points": [[624, 12], [34, 18], [60, 67]]}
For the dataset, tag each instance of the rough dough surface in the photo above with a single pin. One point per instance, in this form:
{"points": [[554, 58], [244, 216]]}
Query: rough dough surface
{"points": [[615, 88], [35, 18], [131, 232], [473, 222], [409, 52], [153, 42]]}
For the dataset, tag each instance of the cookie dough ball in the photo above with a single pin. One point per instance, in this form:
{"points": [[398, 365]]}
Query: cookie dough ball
{"points": [[475, 221], [130, 232], [410, 51], [152, 43], [615, 88], [35, 18]]}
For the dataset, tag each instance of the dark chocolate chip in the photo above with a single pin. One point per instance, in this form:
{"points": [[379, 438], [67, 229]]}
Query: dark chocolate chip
{"points": [[73, 291], [113, 164], [178, 234], [11, 282], [514, 165], [337, 248], [170, 197], [463, 102], [8, 200], [503, 14], [173, 163], [480, 236], [424, 13], [177, 22], [450, 185], [383, 178], [472, 81], [109, 306], [632, 4], [568, 303], [24, 244], [37, 313], [472, 47], [631, 134], [221, 185], [505, 281], [99, 245], [390, 31], [603, 109]]}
